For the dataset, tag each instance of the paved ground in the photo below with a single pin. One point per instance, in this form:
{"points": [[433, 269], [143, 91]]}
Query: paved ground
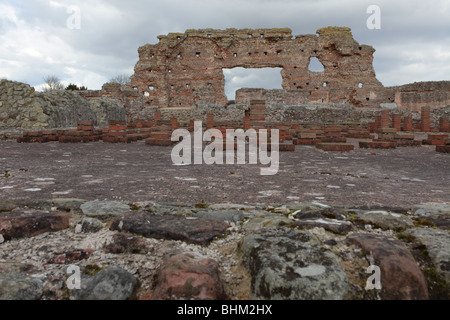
{"points": [[137, 172]]}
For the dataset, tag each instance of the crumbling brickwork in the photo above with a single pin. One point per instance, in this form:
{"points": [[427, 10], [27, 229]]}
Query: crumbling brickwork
{"points": [[186, 69]]}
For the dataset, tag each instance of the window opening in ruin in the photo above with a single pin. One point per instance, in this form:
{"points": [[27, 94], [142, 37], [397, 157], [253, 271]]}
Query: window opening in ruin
{"points": [[146, 94], [360, 85], [188, 85], [238, 78], [278, 52], [265, 53], [262, 35], [315, 65], [197, 54], [135, 88], [151, 88], [325, 84], [235, 54]]}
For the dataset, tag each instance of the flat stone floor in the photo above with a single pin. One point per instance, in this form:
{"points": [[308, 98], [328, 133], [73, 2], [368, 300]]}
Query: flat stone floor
{"points": [[136, 172]]}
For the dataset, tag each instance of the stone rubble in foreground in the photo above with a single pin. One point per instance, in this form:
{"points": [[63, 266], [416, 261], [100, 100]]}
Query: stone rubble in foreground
{"points": [[166, 251]]}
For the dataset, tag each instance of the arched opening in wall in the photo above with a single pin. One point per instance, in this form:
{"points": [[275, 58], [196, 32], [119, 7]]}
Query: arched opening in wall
{"points": [[238, 78], [315, 65]]}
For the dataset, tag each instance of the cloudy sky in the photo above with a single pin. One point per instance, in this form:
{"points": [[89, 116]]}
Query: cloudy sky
{"points": [[88, 42]]}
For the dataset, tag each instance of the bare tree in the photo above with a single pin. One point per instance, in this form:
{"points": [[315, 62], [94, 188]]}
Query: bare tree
{"points": [[53, 83], [121, 79]]}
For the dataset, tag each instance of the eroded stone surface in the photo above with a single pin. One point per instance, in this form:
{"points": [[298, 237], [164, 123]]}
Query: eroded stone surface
{"points": [[194, 230], [109, 284], [102, 209], [19, 286], [401, 278], [285, 264], [189, 276], [437, 246], [31, 223]]}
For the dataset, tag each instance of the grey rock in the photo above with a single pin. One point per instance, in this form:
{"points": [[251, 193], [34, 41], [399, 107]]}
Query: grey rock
{"points": [[19, 286], [193, 230], [269, 221], [91, 225], [388, 106], [223, 215], [109, 284], [68, 204], [289, 265], [385, 220], [333, 225], [104, 209], [437, 245]]}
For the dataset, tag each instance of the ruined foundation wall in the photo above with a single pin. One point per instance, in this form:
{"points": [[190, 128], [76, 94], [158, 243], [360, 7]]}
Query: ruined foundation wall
{"points": [[412, 97]]}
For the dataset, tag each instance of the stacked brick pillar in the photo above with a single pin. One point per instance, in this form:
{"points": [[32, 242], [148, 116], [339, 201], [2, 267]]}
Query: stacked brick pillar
{"points": [[385, 119], [408, 124], [257, 113], [444, 125], [397, 121], [425, 124]]}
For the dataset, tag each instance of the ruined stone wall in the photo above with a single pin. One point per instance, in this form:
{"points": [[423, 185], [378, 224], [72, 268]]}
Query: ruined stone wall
{"points": [[173, 72], [21, 107], [434, 94]]}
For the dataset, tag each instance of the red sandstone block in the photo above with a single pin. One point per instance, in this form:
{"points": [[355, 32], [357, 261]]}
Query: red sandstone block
{"points": [[387, 130], [443, 149], [307, 135], [110, 139], [116, 134], [85, 128], [409, 143], [86, 123], [160, 135], [158, 142], [404, 136], [378, 144], [335, 147], [433, 142], [117, 122], [334, 139], [440, 136], [117, 127], [307, 142], [286, 147]]}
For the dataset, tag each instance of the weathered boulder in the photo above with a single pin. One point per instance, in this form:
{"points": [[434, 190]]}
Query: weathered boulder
{"points": [[19, 286], [29, 223], [223, 215], [333, 225], [189, 276], [289, 265], [104, 209], [124, 243], [108, 284], [193, 230], [436, 246], [401, 278], [384, 220]]}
